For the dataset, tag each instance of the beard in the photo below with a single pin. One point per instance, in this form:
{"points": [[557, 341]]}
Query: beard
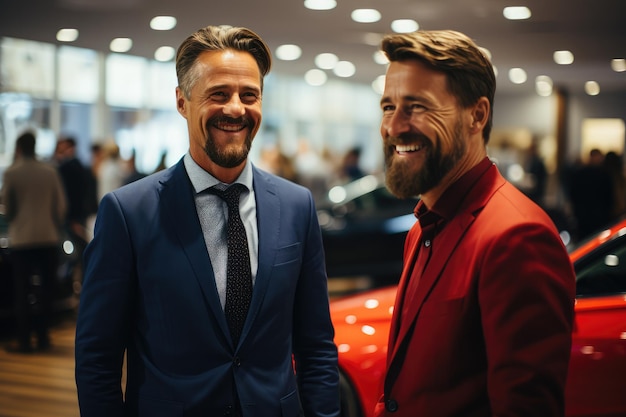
{"points": [[231, 156], [405, 180]]}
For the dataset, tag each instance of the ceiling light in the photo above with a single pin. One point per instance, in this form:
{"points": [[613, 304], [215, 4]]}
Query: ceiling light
{"points": [[404, 26], [618, 64], [326, 61], [67, 35], [380, 58], [315, 77], [344, 69], [517, 76], [517, 13], [543, 85], [365, 15], [378, 85], [592, 88], [163, 23], [164, 53], [121, 45], [320, 4], [288, 52], [563, 57]]}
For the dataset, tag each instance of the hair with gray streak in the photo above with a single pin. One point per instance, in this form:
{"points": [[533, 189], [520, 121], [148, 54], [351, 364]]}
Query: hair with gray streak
{"points": [[218, 38]]}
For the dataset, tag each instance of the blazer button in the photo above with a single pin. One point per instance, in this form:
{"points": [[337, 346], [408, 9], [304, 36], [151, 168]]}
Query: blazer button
{"points": [[236, 361], [391, 406], [228, 411]]}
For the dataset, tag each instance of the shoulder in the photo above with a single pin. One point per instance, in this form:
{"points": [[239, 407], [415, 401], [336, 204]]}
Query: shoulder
{"points": [[264, 179]]}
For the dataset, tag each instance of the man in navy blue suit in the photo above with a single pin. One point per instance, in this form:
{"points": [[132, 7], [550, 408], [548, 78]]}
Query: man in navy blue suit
{"points": [[155, 281]]}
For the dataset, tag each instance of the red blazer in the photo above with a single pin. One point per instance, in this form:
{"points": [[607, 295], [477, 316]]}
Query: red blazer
{"points": [[489, 331]]}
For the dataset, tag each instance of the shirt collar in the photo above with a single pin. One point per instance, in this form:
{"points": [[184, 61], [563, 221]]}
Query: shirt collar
{"points": [[202, 180], [453, 197]]}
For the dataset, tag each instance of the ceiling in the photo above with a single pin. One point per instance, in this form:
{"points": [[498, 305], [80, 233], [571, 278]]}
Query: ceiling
{"points": [[594, 30]]}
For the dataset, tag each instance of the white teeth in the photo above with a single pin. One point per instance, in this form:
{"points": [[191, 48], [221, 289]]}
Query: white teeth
{"points": [[407, 148], [230, 128]]}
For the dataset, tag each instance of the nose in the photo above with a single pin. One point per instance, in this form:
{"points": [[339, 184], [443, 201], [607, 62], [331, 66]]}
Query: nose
{"points": [[396, 123], [234, 107]]}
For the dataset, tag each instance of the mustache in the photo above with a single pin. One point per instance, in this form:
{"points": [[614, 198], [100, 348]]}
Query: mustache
{"points": [[246, 122], [406, 138]]}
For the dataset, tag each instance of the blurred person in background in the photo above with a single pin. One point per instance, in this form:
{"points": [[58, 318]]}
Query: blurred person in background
{"points": [[77, 181], [35, 208], [590, 191], [614, 165], [483, 316], [111, 169], [158, 277]]}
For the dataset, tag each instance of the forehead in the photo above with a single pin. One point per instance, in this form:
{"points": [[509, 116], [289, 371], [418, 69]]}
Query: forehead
{"points": [[229, 65], [413, 75]]}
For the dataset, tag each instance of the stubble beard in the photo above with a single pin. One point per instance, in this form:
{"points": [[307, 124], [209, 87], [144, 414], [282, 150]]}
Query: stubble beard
{"points": [[228, 157], [405, 180]]}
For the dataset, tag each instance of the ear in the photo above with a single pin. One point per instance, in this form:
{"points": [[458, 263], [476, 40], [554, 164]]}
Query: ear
{"points": [[480, 115], [181, 102]]}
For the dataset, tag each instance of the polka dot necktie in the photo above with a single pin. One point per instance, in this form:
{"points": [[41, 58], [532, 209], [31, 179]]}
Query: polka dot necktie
{"points": [[238, 274]]}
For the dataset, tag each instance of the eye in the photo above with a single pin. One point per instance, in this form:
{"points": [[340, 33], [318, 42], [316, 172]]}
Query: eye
{"points": [[218, 96], [249, 97], [387, 108], [417, 108]]}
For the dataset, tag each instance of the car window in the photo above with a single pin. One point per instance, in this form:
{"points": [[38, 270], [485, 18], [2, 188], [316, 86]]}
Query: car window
{"points": [[603, 272]]}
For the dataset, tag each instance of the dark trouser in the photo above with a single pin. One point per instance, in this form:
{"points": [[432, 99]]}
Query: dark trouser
{"points": [[34, 272]]}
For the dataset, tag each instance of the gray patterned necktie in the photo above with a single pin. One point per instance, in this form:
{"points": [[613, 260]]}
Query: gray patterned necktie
{"points": [[238, 273]]}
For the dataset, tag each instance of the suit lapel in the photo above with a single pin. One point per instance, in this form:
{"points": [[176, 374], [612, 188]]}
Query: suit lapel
{"points": [[177, 200], [268, 222], [447, 244]]}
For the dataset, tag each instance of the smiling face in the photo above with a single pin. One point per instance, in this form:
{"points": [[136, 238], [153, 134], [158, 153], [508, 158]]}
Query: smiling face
{"points": [[423, 129], [223, 111]]}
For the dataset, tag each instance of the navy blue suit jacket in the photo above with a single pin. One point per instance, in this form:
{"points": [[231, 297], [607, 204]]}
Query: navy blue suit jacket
{"points": [[149, 289]]}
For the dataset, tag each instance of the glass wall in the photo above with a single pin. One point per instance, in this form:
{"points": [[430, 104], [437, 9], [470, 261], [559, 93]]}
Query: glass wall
{"points": [[131, 101]]}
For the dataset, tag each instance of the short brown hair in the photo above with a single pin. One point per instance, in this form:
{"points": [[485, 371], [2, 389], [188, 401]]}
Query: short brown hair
{"points": [[218, 38], [469, 72]]}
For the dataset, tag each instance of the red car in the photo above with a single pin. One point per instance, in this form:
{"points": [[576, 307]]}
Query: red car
{"points": [[596, 383]]}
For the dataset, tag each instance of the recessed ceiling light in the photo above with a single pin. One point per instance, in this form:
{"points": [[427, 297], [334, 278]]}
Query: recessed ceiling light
{"points": [[517, 76], [404, 26], [67, 35], [563, 57], [592, 88], [315, 77], [326, 60], [163, 23], [380, 58], [378, 85], [121, 45], [320, 4], [517, 13], [288, 52], [344, 69], [366, 15], [618, 64], [164, 53], [543, 85]]}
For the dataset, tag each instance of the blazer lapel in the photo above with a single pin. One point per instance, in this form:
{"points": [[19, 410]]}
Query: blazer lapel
{"points": [[447, 244], [177, 200], [268, 223]]}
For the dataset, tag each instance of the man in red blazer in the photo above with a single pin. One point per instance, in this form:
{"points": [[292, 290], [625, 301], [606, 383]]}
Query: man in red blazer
{"points": [[483, 316]]}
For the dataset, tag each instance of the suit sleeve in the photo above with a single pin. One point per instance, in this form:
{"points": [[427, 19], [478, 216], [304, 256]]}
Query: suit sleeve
{"points": [[315, 353], [526, 296], [104, 314]]}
